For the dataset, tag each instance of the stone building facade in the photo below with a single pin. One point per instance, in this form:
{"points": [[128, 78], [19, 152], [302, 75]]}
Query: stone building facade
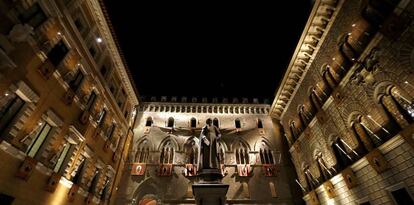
{"points": [[66, 103], [346, 103], [252, 153], [72, 130]]}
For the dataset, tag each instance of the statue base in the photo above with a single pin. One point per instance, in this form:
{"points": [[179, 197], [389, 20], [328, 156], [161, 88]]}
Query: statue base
{"points": [[209, 176], [210, 194], [209, 189]]}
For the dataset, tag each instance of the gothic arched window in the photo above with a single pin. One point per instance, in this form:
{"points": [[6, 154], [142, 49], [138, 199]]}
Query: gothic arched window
{"points": [[242, 153], [191, 152], [167, 153], [266, 154], [142, 153]]}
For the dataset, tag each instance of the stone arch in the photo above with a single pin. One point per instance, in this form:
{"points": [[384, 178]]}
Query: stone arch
{"points": [[316, 153], [224, 145], [142, 139], [304, 166], [259, 142], [172, 140], [352, 116], [147, 188], [332, 138], [240, 141], [191, 149], [266, 151], [142, 150], [381, 88]]}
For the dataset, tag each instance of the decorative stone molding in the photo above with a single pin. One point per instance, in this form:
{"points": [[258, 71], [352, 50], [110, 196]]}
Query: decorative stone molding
{"points": [[101, 19], [320, 20], [25, 92], [53, 117]]}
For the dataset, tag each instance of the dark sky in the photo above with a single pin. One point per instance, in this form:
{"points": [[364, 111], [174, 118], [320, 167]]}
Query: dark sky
{"points": [[205, 49]]}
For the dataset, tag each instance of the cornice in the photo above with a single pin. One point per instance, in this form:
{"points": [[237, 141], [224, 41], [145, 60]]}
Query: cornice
{"points": [[106, 30], [319, 22]]}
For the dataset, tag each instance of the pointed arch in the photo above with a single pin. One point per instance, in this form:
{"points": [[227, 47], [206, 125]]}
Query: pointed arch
{"points": [[241, 150], [148, 187], [267, 154], [143, 149], [168, 148], [145, 137], [170, 139], [191, 150]]}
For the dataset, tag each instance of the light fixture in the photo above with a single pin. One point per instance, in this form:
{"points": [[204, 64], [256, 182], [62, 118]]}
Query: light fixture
{"points": [[99, 40], [59, 33], [40, 123], [6, 94], [353, 25], [349, 33], [78, 64]]}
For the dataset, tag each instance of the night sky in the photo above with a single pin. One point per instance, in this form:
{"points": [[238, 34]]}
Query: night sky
{"points": [[208, 50]]}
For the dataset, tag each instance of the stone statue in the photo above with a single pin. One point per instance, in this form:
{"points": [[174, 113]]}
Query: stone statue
{"points": [[208, 155]]}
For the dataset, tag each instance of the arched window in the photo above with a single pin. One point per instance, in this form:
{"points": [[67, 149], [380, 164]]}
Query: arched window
{"points": [[259, 123], [403, 103], [170, 122], [293, 130], [216, 122], [343, 158], [191, 152], [149, 122], [315, 99], [362, 134], [310, 179], [326, 173], [242, 153], [142, 153], [266, 154], [303, 116], [237, 123], [398, 106], [193, 123], [328, 77], [167, 153], [346, 49]]}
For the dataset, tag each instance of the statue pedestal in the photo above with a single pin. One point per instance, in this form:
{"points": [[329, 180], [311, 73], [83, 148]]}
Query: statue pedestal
{"points": [[209, 189], [210, 194]]}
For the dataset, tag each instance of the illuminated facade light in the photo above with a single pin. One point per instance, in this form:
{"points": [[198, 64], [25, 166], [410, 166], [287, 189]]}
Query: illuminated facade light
{"points": [[99, 40]]}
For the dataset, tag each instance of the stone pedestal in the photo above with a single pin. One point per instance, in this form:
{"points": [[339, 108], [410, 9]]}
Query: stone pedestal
{"points": [[210, 194], [209, 190]]}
